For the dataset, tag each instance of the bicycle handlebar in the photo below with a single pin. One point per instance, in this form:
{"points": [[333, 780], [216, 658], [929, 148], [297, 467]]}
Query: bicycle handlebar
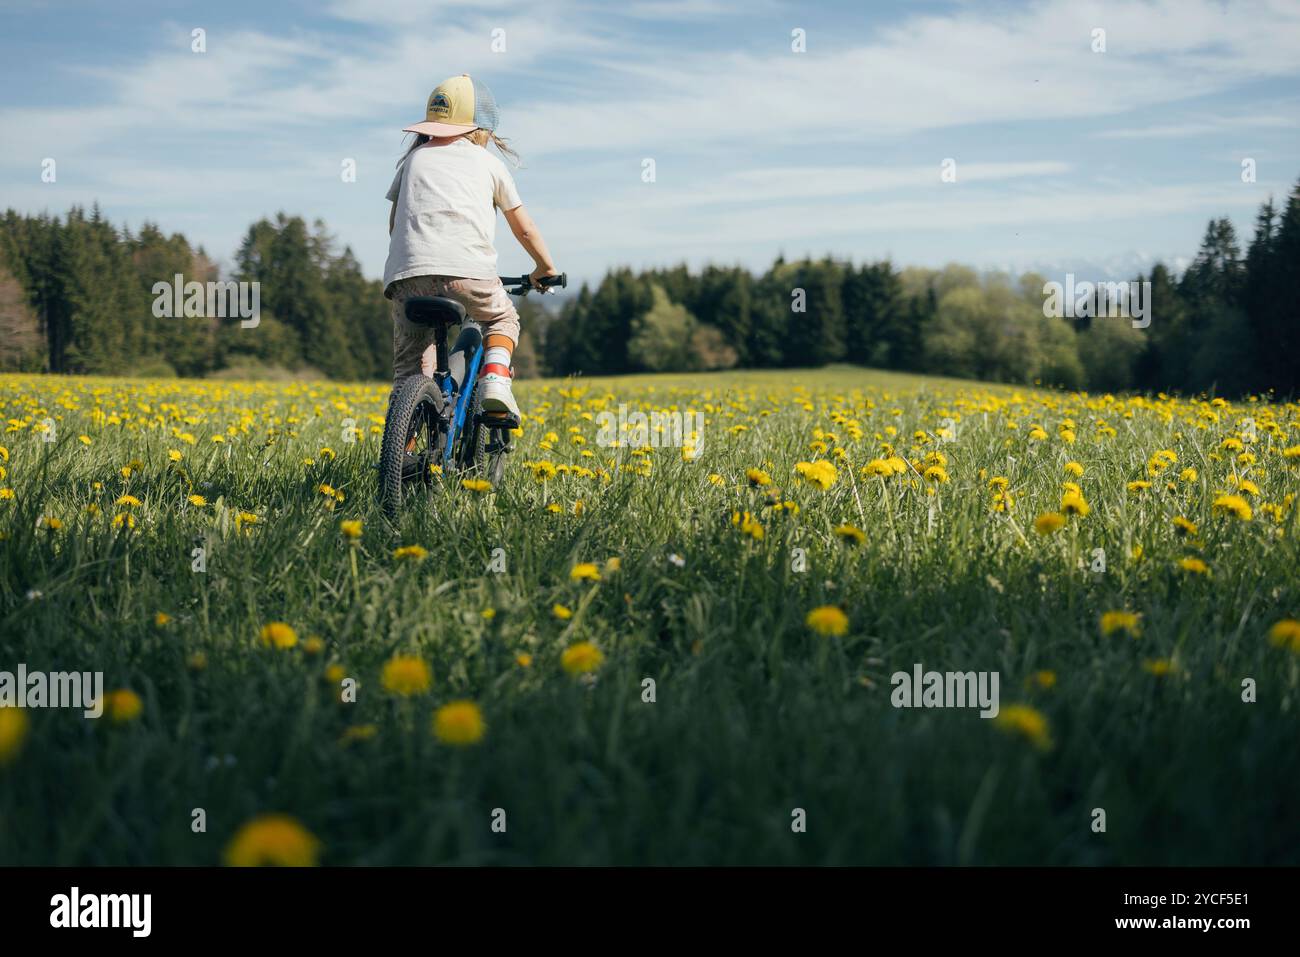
{"points": [[524, 284]]}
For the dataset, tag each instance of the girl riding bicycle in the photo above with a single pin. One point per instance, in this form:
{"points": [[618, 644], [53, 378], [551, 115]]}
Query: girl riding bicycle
{"points": [[442, 226]]}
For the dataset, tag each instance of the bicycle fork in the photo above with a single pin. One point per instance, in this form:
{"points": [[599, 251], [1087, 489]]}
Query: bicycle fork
{"points": [[457, 373]]}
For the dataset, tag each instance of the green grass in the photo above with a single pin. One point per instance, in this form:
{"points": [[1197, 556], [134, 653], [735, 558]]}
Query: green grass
{"points": [[755, 715]]}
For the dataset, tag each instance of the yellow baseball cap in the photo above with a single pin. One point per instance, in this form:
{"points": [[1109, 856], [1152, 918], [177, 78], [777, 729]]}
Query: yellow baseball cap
{"points": [[457, 105]]}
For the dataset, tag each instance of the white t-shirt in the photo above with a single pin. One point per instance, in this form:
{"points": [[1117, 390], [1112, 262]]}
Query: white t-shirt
{"points": [[447, 196]]}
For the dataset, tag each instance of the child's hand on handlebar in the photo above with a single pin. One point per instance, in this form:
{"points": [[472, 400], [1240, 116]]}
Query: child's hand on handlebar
{"points": [[537, 275]]}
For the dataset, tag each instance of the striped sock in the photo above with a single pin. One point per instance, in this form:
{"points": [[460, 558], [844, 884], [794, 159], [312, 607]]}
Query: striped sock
{"points": [[496, 354]]}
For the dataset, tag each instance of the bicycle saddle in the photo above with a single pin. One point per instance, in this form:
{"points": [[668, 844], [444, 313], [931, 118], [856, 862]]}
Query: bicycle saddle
{"points": [[433, 310]]}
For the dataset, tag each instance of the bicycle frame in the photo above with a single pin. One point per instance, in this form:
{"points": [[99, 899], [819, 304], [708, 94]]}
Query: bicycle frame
{"points": [[456, 394]]}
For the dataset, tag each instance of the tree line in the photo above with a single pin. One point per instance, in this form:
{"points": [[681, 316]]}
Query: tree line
{"points": [[1229, 324], [77, 296]]}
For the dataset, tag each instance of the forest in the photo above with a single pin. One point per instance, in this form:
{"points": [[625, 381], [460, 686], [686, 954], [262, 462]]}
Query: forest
{"points": [[77, 296]]}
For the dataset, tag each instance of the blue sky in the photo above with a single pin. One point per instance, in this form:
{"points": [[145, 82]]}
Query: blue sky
{"points": [[1066, 158]]}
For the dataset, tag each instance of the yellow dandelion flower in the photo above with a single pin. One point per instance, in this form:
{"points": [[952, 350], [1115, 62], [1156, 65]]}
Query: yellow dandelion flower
{"points": [[1026, 722], [757, 477], [1048, 522], [406, 676], [278, 634], [562, 612], [329, 491], [1072, 503], [14, 726], [820, 474], [1194, 566], [459, 723], [584, 571], [122, 705], [827, 620], [1125, 621], [748, 525], [413, 552], [1283, 634], [1233, 505], [850, 534], [273, 840], [581, 658], [350, 529]]}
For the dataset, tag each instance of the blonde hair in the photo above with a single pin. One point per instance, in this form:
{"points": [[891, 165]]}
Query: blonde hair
{"points": [[483, 137], [479, 137]]}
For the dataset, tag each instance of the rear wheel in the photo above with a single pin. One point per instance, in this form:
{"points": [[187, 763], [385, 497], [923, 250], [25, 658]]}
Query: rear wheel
{"points": [[413, 440]]}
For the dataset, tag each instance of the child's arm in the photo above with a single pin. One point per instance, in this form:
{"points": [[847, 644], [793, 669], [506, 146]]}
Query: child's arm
{"points": [[530, 237]]}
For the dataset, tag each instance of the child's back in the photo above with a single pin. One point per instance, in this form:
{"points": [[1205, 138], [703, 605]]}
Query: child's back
{"points": [[447, 193]]}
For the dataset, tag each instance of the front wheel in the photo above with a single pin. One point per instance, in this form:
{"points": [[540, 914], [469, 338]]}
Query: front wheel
{"points": [[413, 440], [483, 445]]}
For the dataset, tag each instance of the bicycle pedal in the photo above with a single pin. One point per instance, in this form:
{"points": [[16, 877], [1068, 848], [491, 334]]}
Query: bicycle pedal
{"points": [[499, 420]]}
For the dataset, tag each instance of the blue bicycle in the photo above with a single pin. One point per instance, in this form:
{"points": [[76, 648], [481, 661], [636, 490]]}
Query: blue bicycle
{"points": [[437, 426]]}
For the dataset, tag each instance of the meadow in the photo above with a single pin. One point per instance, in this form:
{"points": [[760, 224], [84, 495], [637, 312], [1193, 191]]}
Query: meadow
{"points": [[642, 653]]}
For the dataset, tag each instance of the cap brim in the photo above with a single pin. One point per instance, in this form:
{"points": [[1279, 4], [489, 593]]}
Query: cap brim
{"points": [[429, 128]]}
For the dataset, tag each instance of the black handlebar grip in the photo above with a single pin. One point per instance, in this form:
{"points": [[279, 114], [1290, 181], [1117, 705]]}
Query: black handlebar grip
{"points": [[526, 281]]}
